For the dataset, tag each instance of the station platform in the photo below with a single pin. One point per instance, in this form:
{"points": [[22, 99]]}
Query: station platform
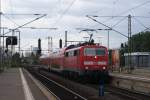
{"points": [[16, 84], [136, 74], [138, 80]]}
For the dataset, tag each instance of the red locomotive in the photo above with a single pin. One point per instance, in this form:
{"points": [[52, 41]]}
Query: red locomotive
{"points": [[87, 59]]}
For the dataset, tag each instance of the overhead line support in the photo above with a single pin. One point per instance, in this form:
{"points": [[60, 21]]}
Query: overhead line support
{"points": [[107, 26], [25, 24]]}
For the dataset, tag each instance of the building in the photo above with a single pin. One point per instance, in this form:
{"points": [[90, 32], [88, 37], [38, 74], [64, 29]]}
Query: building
{"points": [[138, 59], [114, 58], [35, 50]]}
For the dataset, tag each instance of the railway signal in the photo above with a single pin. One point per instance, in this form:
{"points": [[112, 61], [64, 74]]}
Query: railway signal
{"points": [[11, 40]]}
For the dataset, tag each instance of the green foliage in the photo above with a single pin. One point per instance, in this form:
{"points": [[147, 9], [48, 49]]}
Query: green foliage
{"points": [[34, 58], [16, 60], [121, 56], [139, 43]]}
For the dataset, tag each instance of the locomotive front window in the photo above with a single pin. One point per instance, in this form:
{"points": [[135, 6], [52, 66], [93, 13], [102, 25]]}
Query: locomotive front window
{"points": [[100, 51], [94, 51]]}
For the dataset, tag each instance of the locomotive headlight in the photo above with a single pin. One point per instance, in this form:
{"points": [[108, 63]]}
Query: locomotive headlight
{"points": [[86, 67], [95, 57], [104, 68]]}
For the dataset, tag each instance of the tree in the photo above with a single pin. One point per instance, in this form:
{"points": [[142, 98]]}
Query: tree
{"points": [[139, 42], [16, 60]]}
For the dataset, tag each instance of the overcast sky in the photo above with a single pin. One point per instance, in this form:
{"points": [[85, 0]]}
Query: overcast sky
{"points": [[68, 15]]}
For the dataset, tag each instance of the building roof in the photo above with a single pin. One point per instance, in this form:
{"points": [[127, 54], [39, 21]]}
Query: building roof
{"points": [[137, 53]]}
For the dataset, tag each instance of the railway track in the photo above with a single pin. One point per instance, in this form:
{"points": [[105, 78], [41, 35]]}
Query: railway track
{"points": [[123, 93], [83, 91], [60, 92], [128, 94]]}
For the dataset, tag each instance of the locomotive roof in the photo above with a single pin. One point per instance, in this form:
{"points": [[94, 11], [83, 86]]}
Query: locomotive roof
{"points": [[78, 47], [70, 48], [82, 44]]}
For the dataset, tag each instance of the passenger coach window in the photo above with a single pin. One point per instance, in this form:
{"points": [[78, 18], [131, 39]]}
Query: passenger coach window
{"points": [[75, 53], [78, 52], [71, 53], [66, 54]]}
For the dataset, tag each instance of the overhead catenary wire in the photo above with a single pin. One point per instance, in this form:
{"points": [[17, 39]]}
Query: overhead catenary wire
{"points": [[45, 28], [11, 5], [141, 23], [119, 22], [107, 26], [64, 12], [6, 16], [114, 5], [25, 24], [135, 17], [119, 16], [18, 14], [10, 20], [135, 7], [130, 9]]}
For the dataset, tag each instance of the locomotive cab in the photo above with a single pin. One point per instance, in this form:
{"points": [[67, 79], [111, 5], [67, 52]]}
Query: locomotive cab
{"points": [[95, 58], [95, 62]]}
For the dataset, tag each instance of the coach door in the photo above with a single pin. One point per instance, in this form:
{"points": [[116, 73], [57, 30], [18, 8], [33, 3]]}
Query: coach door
{"points": [[77, 54]]}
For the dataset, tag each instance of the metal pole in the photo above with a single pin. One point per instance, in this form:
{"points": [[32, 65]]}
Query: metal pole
{"points": [[0, 34], [48, 44], [51, 44], [0, 21], [3, 45], [3, 48], [108, 40], [31, 50], [65, 38], [3, 37], [129, 42], [13, 31], [19, 42], [12, 47]]}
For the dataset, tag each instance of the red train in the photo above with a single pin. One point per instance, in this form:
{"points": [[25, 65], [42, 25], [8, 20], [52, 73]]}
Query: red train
{"points": [[81, 60]]}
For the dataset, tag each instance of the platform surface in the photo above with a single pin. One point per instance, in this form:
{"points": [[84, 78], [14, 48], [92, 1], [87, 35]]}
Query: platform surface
{"points": [[11, 85], [14, 87], [137, 74]]}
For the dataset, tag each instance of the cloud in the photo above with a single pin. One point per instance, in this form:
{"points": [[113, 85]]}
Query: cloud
{"points": [[75, 17]]}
